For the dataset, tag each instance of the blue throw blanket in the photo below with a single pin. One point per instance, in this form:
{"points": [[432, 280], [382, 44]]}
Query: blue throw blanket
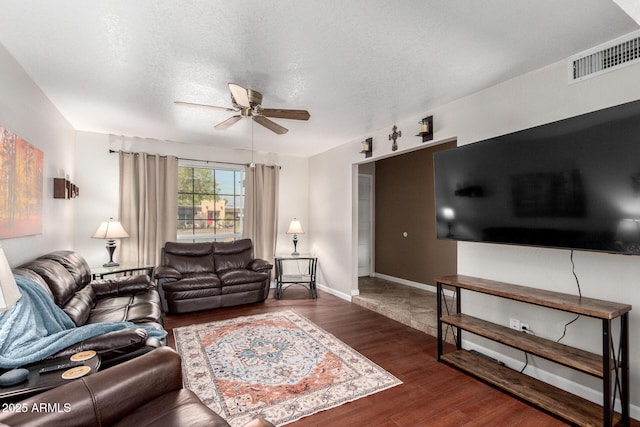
{"points": [[36, 327]]}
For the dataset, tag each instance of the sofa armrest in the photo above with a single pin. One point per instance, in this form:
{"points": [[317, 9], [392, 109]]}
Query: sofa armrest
{"points": [[125, 285], [259, 265], [164, 272], [107, 396], [112, 344]]}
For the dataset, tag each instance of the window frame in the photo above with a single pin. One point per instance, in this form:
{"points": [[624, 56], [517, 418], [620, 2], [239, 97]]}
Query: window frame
{"points": [[238, 197]]}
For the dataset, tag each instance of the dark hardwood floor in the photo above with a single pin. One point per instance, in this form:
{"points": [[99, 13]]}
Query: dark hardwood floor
{"points": [[432, 393]]}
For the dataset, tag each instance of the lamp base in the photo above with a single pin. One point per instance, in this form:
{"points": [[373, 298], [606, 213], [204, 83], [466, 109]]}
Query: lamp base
{"points": [[111, 248], [295, 245], [111, 264]]}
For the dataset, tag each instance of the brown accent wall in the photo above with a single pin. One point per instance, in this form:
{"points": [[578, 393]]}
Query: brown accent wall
{"points": [[404, 202]]}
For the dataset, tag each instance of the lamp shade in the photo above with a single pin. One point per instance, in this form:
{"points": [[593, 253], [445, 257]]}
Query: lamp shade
{"points": [[9, 292], [110, 230], [295, 227]]}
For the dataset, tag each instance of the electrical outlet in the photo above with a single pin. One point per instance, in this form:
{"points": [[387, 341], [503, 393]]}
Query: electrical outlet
{"points": [[524, 327], [515, 324]]}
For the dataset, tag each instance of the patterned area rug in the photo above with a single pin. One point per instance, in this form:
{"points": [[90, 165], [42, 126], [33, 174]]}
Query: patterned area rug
{"points": [[278, 365]]}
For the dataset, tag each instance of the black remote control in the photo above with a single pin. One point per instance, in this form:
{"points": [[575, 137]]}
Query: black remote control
{"points": [[60, 367]]}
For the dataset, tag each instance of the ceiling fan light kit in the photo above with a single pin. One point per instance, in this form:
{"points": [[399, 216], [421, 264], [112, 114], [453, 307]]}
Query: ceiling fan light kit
{"points": [[248, 103]]}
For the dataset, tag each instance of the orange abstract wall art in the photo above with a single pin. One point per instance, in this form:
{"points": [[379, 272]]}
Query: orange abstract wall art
{"points": [[20, 186]]}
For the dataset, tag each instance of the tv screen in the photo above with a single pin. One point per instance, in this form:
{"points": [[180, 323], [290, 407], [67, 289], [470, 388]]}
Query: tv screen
{"points": [[571, 184]]}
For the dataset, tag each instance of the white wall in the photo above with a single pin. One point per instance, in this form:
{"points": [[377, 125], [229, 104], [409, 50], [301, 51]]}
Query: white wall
{"points": [[529, 100], [97, 177], [27, 112]]}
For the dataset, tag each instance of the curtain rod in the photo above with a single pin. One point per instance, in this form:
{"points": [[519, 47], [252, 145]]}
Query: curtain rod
{"points": [[194, 160]]}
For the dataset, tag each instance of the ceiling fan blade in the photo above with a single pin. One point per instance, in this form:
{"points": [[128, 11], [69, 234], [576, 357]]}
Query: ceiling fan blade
{"points": [[214, 107], [271, 125], [227, 123], [240, 94], [285, 114]]}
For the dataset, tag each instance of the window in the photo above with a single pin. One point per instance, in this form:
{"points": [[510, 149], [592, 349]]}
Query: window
{"points": [[210, 203]]}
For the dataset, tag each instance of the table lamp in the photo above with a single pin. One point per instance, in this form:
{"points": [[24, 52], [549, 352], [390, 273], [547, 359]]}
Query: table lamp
{"points": [[111, 230], [9, 292], [295, 228]]}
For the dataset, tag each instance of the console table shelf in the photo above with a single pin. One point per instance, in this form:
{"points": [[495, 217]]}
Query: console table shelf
{"points": [[568, 356], [612, 366], [552, 399]]}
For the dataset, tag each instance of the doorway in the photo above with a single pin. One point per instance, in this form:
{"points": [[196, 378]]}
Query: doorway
{"points": [[365, 225]]}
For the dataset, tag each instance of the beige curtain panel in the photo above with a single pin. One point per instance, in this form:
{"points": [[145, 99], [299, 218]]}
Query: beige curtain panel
{"points": [[261, 209], [148, 205]]}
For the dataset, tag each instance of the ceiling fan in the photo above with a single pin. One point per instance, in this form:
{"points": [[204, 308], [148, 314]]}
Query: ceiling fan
{"points": [[248, 103]]}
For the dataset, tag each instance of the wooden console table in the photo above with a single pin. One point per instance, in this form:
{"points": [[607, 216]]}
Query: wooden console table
{"points": [[612, 366]]}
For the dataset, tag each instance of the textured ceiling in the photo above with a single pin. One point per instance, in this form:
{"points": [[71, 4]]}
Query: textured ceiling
{"points": [[116, 66]]}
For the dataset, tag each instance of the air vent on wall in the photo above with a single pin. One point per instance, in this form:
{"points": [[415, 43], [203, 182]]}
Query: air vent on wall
{"points": [[604, 58]]}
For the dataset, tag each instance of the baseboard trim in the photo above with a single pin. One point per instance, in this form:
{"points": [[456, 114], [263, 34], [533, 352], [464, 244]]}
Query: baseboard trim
{"points": [[333, 292], [418, 285]]}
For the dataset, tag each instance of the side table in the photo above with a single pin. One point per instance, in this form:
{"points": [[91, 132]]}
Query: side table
{"points": [[41, 378], [305, 276], [126, 269]]}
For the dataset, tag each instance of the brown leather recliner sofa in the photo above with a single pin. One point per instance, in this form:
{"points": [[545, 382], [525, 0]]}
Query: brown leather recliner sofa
{"points": [[200, 276], [145, 391], [66, 276]]}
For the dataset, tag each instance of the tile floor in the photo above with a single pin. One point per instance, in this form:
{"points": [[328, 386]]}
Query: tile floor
{"points": [[405, 304]]}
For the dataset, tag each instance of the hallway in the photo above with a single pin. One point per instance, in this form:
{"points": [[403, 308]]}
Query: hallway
{"points": [[410, 306]]}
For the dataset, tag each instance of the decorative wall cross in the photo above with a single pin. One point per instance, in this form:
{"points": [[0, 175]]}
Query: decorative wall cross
{"points": [[394, 136]]}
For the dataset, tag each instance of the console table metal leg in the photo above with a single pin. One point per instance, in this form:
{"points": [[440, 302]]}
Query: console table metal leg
{"points": [[624, 367], [607, 401], [439, 314]]}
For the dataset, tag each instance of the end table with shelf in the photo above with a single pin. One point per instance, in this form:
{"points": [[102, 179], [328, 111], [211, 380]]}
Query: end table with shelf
{"points": [[126, 269], [304, 276]]}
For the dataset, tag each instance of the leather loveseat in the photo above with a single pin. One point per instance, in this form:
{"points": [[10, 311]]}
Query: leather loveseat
{"points": [[146, 391], [66, 276], [200, 276]]}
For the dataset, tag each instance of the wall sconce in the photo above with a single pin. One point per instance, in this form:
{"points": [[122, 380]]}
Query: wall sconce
{"points": [[426, 129], [367, 147], [64, 189]]}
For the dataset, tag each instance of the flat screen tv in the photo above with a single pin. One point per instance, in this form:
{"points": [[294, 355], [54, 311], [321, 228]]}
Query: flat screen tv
{"points": [[571, 184]]}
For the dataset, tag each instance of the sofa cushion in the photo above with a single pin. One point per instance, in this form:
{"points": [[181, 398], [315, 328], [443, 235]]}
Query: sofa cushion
{"points": [[189, 257], [30, 274], [74, 263], [135, 308], [192, 294], [60, 282], [127, 285], [200, 281], [178, 407], [79, 306], [241, 288], [232, 255], [238, 277]]}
